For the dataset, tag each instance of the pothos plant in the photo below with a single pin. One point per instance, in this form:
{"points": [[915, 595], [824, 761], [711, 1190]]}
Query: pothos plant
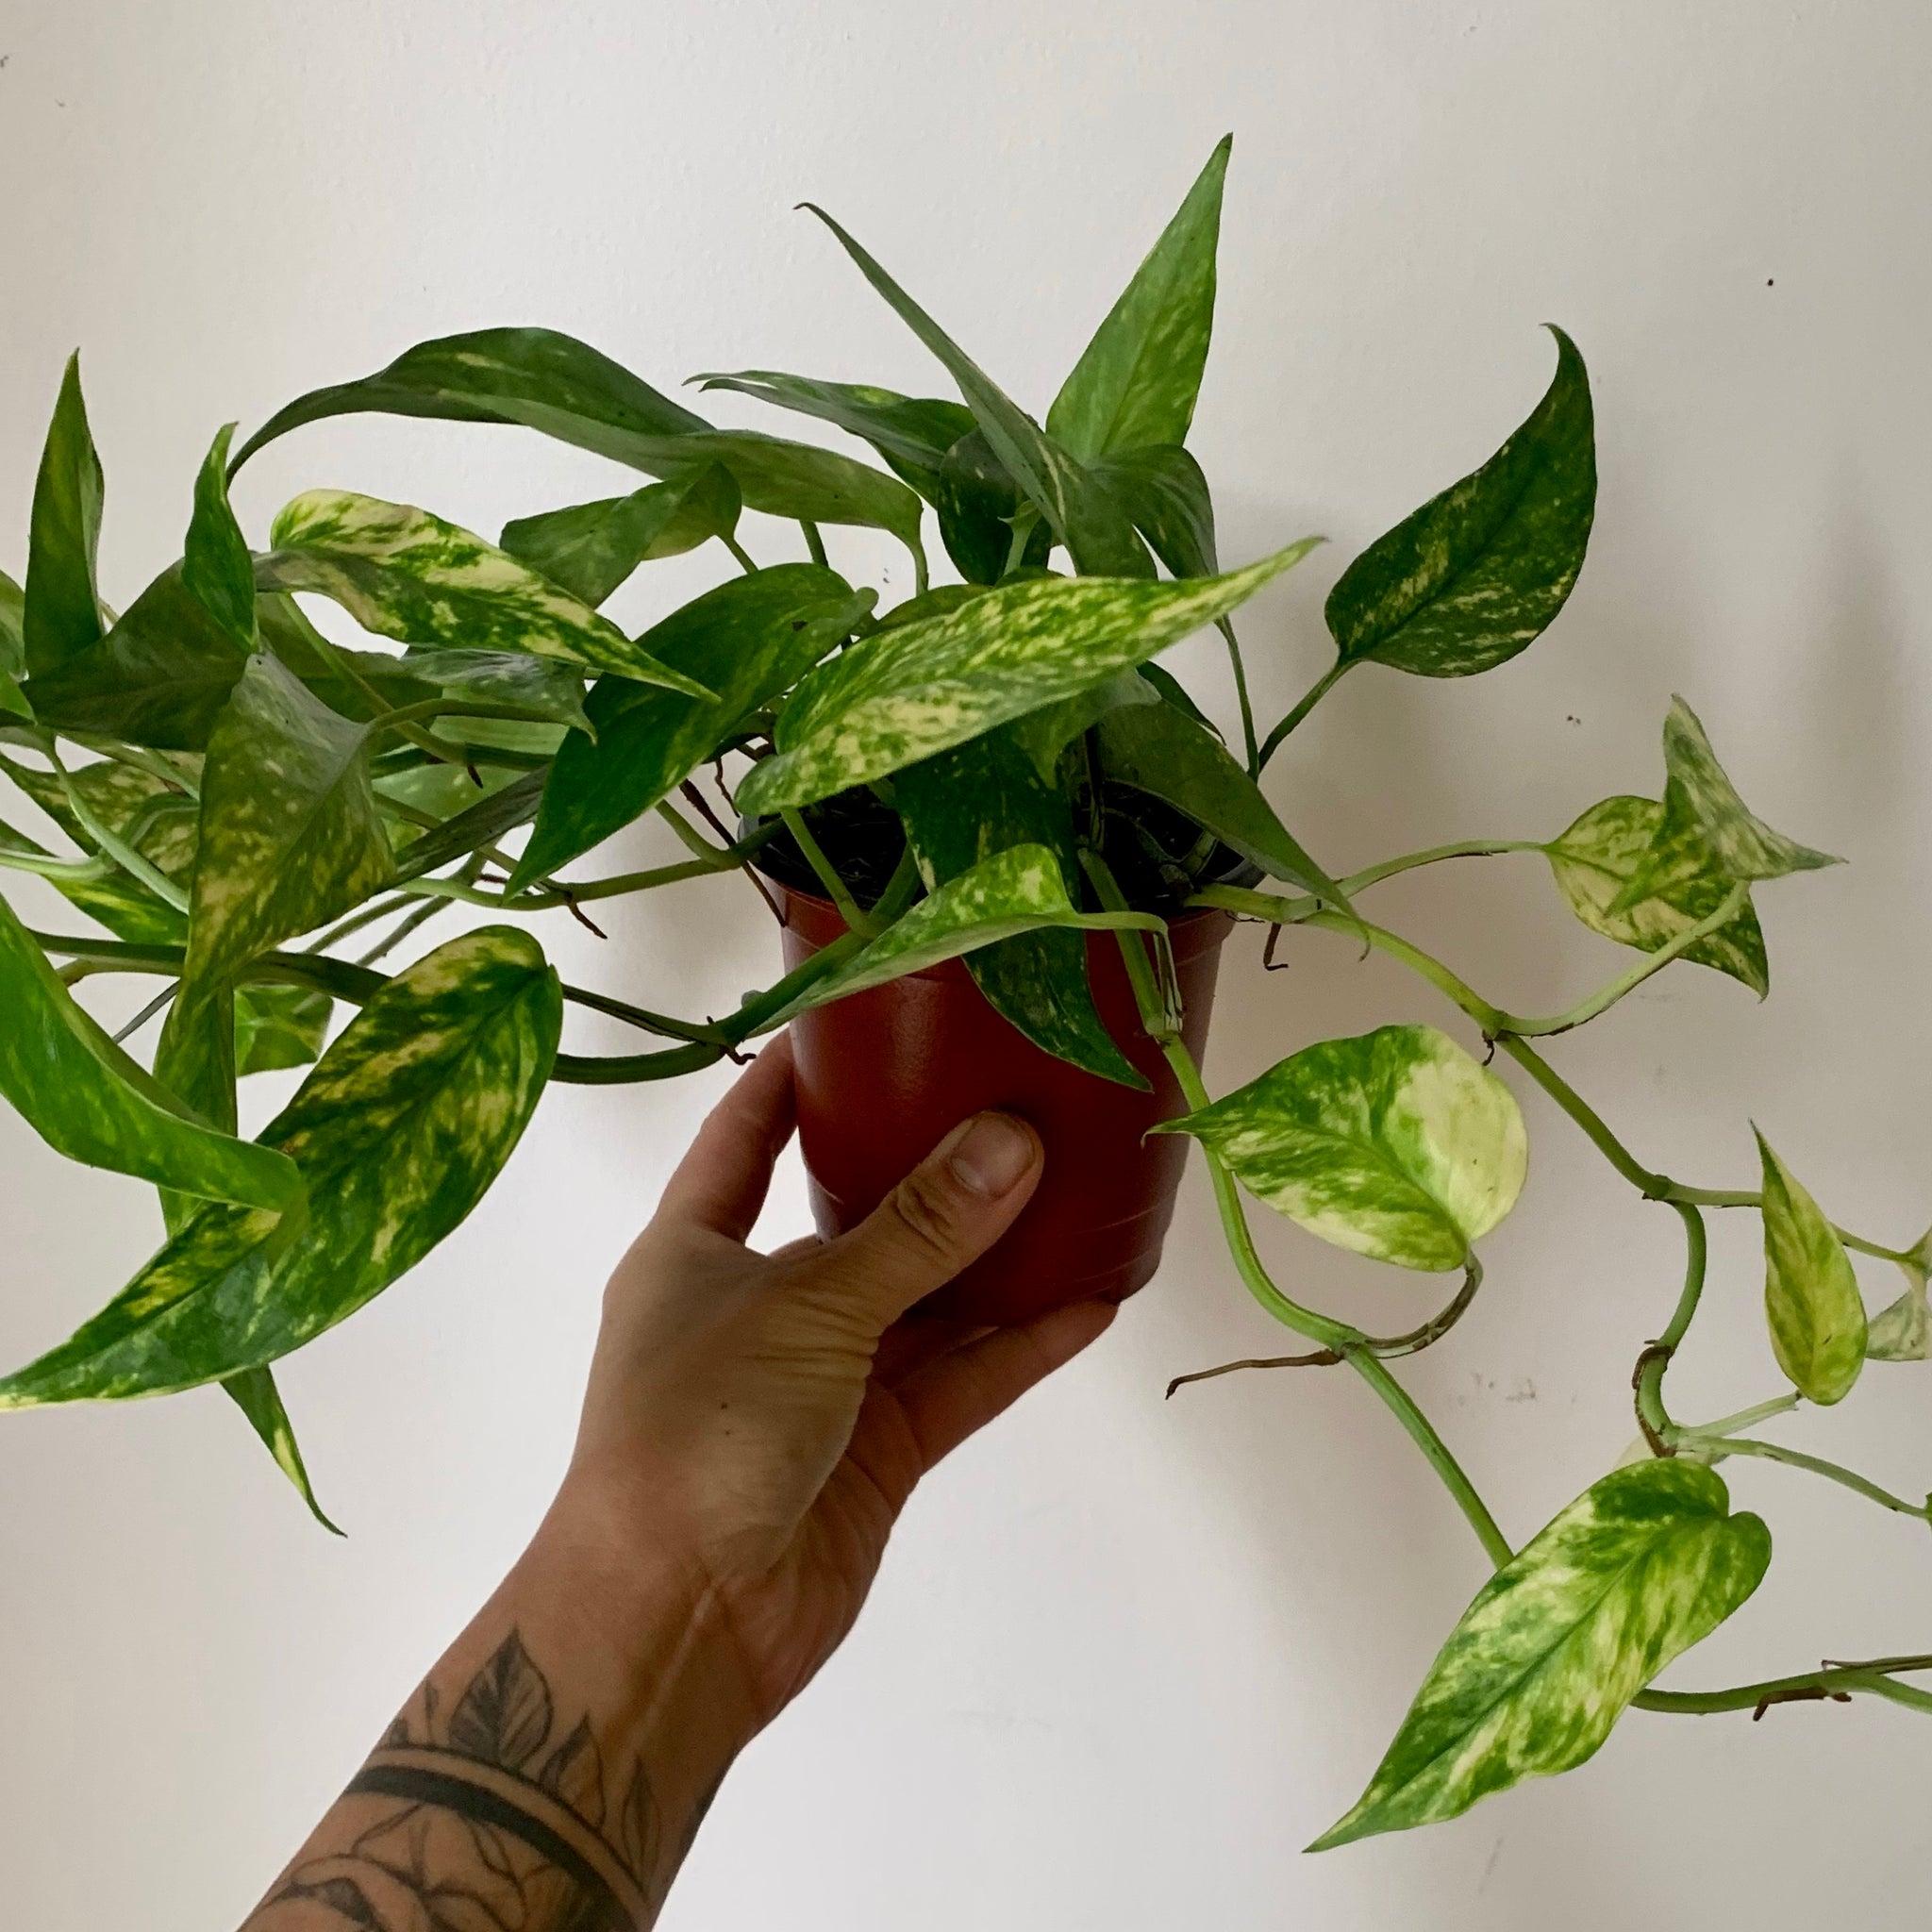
{"points": [[993, 768]]}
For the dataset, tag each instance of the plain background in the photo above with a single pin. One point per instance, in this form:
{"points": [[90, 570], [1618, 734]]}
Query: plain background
{"points": [[1127, 1656]]}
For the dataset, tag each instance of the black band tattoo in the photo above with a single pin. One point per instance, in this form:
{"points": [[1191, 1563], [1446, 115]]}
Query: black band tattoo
{"points": [[495, 1820]]}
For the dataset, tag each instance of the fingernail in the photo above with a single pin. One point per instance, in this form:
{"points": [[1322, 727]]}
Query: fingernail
{"points": [[995, 1155]]}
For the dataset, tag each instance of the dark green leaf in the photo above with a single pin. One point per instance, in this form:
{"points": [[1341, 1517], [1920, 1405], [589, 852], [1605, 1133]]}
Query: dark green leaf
{"points": [[1136, 380], [1156, 750], [1045, 733], [90, 1101], [1477, 573], [398, 1133], [215, 564], [256, 1395], [551, 684], [1395, 1144], [590, 549], [905, 694], [1811, 1300], [752, 637], [934, 603], [1598, 856], [968, 804], [63, 613], [13, 647], [405, 573], [1175, 693], [278, 1027], [977, 504], [1164, 491], [1645, 1564], [286, 631], [481, 824]]}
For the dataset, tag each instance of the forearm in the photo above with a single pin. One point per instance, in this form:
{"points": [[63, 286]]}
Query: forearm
{"points": [[550, 1771]]}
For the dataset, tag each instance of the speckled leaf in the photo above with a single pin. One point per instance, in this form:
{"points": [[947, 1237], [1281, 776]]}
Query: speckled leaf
{"points": [[906, 693], [1085, 518], [398, 1133], [1136, 381], [90, 1101], [1902, 1332], [1598, 856], [1707, 829], [254, 1392], [63, 610], [1047, 732], [978, 504], [1156, 750], [751, 637], [592, 547], [158, 820], [1477, 573], [278, 1027], [1397, 1144], [1811, 1300], [1017, 891], [553, 686], [1645, 1563], [215, 564], [977, 800], [405, 573], [286, 630]]}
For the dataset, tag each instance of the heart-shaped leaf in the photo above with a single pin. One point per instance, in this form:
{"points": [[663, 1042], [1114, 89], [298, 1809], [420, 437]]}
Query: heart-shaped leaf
{"points": [[1598, 856], [906, 694], [1707, 829], [752, 637], [1136, 380], [1811, 1300], [398, 1132], [1645, 1563], [405, 573], [1477, 573], [591, 548], [62, 609], [1395, 1144], [90, 1101]]}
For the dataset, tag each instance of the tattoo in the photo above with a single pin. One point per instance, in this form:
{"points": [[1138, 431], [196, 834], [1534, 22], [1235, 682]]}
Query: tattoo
{"points": [[496, 1819]]}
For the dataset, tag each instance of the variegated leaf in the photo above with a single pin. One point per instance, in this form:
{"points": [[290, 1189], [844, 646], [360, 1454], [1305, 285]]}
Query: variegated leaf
{"points": [[1598, 856], [1707, 829], [1645, 1563], [1811, 1301], [1395, 1144], [752, 637], [553, 686], [592, 547], [1478, 572], [1136, 382], [90, 1101], [336, 673], [1047, 732], [906, 693], [404, 573], [1902, 1331], [215, 563], [398, 1132], [62, 609], [1020, 890], [254, 1392], [279, 1027]]}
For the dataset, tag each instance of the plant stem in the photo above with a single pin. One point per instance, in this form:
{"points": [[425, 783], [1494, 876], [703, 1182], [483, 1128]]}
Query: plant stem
{"points": [[828, 874], [1806, 1687], [1251, 750], [737, 550], [1652, 1186], [1833, 1472], [814, 543], [73, 871], [1463, 848], [1648, 1380], [1310, 698], [417, 919], [1763, 1411], [124, 855]]}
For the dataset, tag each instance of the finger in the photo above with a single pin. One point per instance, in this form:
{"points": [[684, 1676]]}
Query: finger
{"points": [[721, 1182], [950, 1398], [947, 1212]]}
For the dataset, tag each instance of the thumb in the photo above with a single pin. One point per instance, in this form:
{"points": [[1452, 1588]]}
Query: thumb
{"points": [[945, 1213]]}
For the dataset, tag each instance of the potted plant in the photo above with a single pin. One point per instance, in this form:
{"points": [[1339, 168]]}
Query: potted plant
{"points": [[1004, 845]]}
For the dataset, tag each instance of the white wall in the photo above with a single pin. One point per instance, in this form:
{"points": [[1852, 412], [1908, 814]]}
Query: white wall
{"points": [[1126, 1656]]}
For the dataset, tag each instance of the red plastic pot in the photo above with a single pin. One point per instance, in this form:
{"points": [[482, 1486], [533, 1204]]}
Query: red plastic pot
{"points": [[883, 1075]]}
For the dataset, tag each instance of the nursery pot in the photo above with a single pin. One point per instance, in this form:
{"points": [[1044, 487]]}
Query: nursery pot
{"points": [[885, 1073]]}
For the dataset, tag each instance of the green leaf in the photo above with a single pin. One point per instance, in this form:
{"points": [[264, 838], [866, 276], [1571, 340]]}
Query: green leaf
{"points": [[256, 1395], [1478, 572], [286, 631], [1902, 1332], [1811, 1300], [13, 647], [1017, 891], [796, 480], [1096, 533], [482, 823], [1156, 750], [90, 1101], [969, 803], [1598, 856], [1136, 380], [903, 694], [978, 504], [1172, 691], [1395, 1144], [405, 573], [933, 603], [752, 638], [1047, 732], [63, 610], [551, 684], [398, 1133], [215, 563], [590, 549], [913, 434], [278, 1027], [1163, 490], [1706, 829], [123, 904], [1645, 1563]]}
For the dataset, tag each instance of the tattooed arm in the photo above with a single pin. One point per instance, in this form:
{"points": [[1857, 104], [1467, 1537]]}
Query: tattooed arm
{"points": [[753, 1427]]}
